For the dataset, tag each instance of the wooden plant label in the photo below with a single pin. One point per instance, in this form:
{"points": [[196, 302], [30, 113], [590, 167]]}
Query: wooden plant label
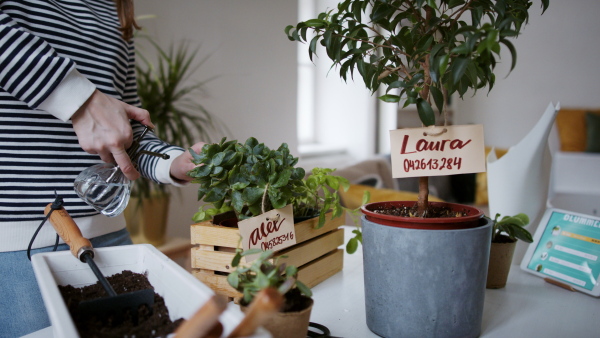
{"points": [[437, 151], [273, 230]]}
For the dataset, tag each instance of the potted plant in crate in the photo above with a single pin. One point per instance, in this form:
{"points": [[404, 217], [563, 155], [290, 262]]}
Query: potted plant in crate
{"points": [[164, 91], [505, 233], [237, 181], [427, 51], [267, 272]]}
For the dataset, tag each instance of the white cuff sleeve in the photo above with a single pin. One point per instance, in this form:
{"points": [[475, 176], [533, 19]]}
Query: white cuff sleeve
{"points": [[68, 96], [163, 169]]}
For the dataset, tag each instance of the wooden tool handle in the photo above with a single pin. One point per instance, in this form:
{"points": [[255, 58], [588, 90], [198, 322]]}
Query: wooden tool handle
{"points": [[203, 320], [265, 304], [68, 230]]}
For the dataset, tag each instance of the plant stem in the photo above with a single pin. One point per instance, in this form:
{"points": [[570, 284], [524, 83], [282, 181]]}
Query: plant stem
{"points": [[423, 200]]}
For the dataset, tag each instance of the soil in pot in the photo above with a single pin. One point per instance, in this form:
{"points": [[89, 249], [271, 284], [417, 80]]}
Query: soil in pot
{"points": [[433, 211], [440, 215], [155, 324]]}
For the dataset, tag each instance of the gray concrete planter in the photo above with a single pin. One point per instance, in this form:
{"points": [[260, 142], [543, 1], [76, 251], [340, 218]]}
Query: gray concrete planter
{"points": [[425, 283]]}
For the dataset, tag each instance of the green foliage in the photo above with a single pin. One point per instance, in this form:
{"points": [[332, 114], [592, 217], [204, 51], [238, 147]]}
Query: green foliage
{"points": [[248, 178], [426, 49], [512, 226], [264, 272], [166, 92], [251, 179]]}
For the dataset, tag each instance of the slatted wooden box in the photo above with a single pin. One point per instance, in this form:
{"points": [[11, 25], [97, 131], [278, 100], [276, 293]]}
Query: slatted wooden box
{"points": [[315, 253]]}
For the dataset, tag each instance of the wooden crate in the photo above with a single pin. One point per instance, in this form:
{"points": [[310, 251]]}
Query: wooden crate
{"points": [[315, 253]]}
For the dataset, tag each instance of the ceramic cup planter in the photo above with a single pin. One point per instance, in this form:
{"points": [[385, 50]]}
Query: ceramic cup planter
{"points": [[501, 255], [425, 281]]}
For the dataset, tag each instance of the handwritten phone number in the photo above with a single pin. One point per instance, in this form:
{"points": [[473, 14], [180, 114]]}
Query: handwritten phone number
{"points": [[444, 163]]}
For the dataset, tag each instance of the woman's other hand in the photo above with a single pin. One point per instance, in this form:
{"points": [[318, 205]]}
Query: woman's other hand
{"points": [[183, 163], [102, 127]]}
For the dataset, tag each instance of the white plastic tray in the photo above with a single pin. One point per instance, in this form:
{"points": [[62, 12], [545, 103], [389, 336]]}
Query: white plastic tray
{"points": [[183, 293]]}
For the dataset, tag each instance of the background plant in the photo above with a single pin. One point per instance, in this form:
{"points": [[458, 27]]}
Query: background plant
{"points": [[165, 90], [511, 227], [426, 50], [264, 272]]}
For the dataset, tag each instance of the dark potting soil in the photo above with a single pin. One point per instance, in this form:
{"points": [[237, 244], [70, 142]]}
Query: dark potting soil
{"points": [[295, 301], [155, 324], [412, 211]]}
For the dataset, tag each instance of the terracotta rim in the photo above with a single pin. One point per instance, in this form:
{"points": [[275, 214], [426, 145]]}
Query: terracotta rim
{"points": [[441, 223]]}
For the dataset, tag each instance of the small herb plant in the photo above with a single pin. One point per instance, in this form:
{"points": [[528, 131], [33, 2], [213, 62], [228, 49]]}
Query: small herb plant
{"points": [[264, 272], [511, 227], [251, 179]]}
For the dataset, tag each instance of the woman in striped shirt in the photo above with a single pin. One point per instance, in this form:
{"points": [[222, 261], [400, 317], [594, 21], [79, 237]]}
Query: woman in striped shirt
{"points": [[67, 94]]}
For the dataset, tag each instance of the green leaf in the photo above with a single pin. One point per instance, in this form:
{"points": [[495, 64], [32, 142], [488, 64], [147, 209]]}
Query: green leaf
{"points": [[389, 98], [513, 52], [233, 279], [252, 194], [425, 112], [352, 245], [459, 66], [305, 290], [438, 98]]}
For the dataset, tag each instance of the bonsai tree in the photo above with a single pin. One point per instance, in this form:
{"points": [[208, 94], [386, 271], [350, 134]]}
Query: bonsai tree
{"points": [[510, 229], [265, 272], [251, 178], [426, 50]]}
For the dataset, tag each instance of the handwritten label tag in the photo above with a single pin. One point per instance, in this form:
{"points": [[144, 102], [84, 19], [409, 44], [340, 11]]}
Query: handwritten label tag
{"points": [[273, 230], [432, 152]]}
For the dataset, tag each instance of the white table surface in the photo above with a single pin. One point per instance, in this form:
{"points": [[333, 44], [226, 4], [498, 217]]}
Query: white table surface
{"points": [[526, 307]]}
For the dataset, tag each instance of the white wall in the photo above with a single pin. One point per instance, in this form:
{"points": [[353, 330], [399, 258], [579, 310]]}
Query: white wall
{"points": [[557, 60], [255, 94]]}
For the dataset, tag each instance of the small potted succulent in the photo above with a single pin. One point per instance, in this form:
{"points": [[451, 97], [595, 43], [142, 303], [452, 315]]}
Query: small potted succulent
{"points": [[292, 320], [505, 233]]}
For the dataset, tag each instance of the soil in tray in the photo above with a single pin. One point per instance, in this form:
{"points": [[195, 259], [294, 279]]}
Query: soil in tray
{"points": [[155, 324]]}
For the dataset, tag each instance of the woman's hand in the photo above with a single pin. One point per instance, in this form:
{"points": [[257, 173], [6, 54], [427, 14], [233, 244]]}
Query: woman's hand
{"points": [[183, 163], [102, 127]]}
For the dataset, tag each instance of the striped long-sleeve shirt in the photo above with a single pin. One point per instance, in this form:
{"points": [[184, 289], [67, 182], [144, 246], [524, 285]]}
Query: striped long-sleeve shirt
{"points": [[53, 55]]}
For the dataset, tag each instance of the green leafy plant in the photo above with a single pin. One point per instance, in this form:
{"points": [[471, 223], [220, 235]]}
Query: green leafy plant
{"points": [[426, 50], [264, 272], [251, 179], [165, 90], [511, 227], [248, 178]]}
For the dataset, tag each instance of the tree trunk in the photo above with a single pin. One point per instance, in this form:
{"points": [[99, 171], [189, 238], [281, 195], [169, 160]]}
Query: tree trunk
{"points": [[423, 201]]}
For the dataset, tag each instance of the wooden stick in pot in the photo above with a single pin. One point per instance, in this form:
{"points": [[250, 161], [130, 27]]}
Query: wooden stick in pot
{"points": [[265, 304], [204, 320]]}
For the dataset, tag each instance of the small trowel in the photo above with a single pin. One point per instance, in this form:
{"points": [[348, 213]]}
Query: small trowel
{"points": [[114, 305]]}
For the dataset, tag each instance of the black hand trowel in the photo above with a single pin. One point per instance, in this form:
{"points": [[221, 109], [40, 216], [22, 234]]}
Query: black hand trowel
{"points": [[114, 306]]}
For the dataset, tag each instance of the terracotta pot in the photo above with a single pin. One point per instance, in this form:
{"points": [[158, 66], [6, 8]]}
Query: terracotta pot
{"points": [[289, 324], [501, 255], [472, 219]]}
